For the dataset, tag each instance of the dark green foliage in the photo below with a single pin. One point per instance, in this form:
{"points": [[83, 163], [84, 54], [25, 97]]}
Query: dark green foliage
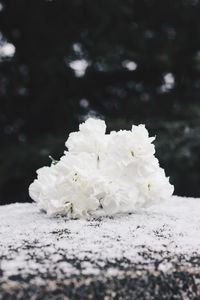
{"points": [[40, 93]]}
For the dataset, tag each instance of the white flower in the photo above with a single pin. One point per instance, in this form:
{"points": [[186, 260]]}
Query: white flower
{"points": [[42, 190], [107, 173], [119, 198], [156, 187], [64, 190], [131, 146], [90, 138]]}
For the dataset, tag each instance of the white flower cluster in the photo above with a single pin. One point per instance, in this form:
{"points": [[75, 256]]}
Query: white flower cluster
{"points": [[107, 173]]}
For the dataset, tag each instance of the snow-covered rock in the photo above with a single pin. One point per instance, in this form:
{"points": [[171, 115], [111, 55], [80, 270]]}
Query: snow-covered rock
{"points": [[150, 254]]}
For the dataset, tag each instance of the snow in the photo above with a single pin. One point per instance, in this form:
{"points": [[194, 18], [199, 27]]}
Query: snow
{"points": [[32, 242]]}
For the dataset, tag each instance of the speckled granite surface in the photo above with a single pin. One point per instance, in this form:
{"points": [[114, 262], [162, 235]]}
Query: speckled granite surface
{"points": [[153, 253]]}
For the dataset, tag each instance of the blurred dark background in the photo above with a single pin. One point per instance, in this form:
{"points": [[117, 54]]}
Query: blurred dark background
{"points": [[126, 61]]}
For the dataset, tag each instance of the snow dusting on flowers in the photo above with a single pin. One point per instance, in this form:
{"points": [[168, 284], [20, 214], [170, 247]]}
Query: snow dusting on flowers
{"points": [[102, 174]]}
